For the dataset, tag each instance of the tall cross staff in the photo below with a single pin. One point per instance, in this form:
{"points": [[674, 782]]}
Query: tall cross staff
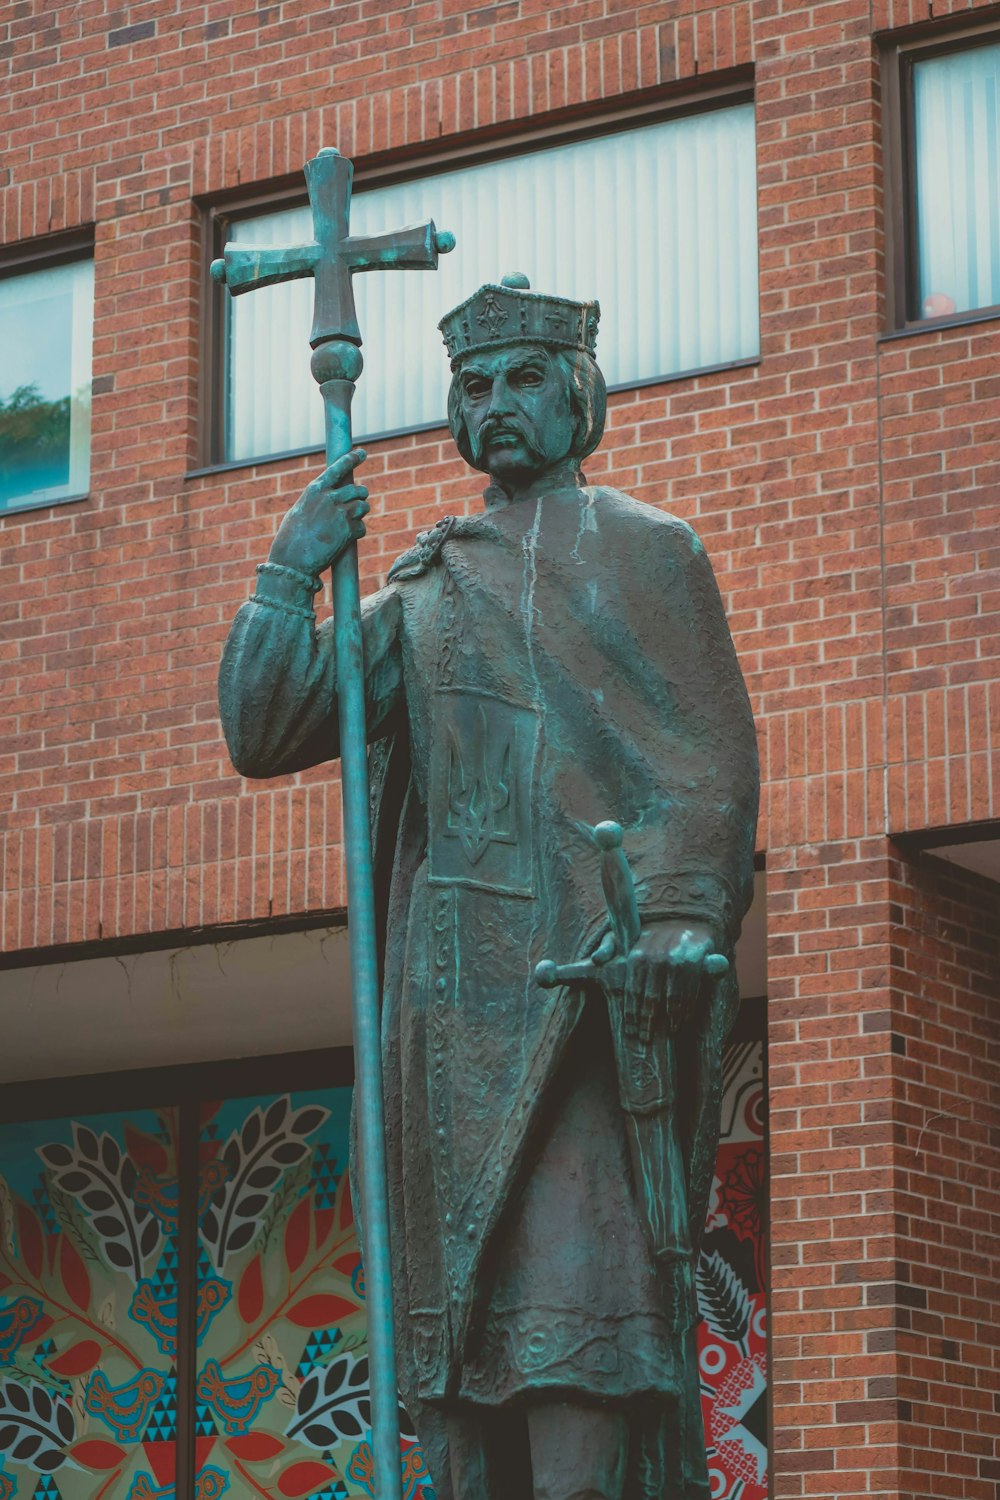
{"points": [[331, 261]]}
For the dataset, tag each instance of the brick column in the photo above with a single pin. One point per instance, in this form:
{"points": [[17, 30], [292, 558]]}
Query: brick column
{"points": [[835, 1413], [885, 1142]]}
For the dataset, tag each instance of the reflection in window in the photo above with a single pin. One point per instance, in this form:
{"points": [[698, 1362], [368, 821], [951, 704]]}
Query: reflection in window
{"points": [[659, 223], [46, 334], [957, 132]]}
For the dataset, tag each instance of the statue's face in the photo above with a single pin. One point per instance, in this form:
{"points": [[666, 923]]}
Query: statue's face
{"points": [[517, 410]]}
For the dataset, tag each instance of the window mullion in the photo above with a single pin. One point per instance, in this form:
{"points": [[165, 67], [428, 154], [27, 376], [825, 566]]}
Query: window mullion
{"points": [[187, 1294]]}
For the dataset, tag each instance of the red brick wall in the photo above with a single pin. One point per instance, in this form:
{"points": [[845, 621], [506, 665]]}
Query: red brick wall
{"points": [[845, 488], [832, 1177], [946, 1066], [885, 1139]]}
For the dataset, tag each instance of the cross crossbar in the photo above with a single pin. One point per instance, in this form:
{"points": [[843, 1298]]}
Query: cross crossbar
{"points": [[334, 255]]}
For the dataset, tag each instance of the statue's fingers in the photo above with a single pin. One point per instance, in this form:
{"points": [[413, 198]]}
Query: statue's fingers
{"points": [[349, 494], [682, 979], [653, 1000], [605, 950], [342, 468], [635, 987]]}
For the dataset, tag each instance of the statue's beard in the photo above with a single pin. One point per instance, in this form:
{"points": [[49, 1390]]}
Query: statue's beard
{"points": [[493, 427]]}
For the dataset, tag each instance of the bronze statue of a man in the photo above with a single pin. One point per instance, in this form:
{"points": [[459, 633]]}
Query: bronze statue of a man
{"points": [[559, 659]]}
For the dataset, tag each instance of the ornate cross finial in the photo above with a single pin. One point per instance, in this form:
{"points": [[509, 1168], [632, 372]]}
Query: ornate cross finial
{"points": [[335, 253]]}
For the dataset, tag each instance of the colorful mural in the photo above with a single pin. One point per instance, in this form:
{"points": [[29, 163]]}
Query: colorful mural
{"points": [[88, 1307], [732, 1282], [283, 1407]]}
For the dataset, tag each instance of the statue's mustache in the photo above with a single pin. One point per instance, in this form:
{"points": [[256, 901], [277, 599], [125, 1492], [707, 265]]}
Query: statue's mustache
{"points": [[494, 427]]}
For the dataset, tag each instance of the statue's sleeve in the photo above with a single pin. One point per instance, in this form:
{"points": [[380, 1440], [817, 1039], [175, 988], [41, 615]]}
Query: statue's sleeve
{"points": [[695, 844], [278, 678]]}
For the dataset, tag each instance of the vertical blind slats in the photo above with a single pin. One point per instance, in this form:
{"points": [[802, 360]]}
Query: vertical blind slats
{"points": [[658, 223], [957, 127]]}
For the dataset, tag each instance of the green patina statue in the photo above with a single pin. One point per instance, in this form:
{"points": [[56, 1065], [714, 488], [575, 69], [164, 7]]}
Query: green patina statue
{"points": [[565, 797]]}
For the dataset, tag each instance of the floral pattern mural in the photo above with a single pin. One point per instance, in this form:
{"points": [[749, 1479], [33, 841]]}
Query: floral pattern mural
{"points": [[732, 1282], [88, 1308], [89, 1301], [283, 1406]]}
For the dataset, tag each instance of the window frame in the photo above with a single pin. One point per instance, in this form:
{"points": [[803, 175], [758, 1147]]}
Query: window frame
{"points": [[556, 128], [900, 52], [42, 254]]}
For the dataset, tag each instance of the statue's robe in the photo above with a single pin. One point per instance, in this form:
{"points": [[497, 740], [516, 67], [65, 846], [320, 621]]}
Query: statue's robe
{"points": [[537, 668]]}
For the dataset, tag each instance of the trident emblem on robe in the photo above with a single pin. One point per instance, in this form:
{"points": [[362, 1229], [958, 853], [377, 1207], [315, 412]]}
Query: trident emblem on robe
{"points": [[478, 798]]}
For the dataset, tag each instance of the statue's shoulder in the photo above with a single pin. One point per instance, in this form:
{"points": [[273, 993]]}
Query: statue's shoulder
{"points": [[645, 522]]}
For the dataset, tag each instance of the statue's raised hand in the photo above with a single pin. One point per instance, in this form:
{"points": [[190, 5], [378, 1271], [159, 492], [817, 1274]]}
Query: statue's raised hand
{"points": [[326, 518]]}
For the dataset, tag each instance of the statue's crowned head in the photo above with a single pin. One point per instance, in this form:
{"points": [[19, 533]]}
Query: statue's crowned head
{"points": [[526, 391]]}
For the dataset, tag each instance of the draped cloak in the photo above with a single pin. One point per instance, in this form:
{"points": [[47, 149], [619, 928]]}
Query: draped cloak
{"points": [[529, 671]]}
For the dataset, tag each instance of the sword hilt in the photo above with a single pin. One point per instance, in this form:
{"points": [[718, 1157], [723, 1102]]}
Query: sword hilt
{"points": [[548, 974], [618, 884], [623, 910]]}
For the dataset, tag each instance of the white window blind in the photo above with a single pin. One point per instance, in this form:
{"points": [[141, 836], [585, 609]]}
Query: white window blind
{"points": [[659, 223], [46, 344], [957, 121]]}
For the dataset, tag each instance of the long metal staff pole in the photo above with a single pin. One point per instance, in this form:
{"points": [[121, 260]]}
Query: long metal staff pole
{"points": [[337, 365], [331, 259]]}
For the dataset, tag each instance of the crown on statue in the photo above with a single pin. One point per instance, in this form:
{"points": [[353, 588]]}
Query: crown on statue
{"points": [[512, 313]]}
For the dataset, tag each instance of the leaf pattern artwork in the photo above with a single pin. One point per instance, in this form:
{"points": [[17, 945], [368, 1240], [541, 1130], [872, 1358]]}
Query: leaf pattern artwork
{"points": [[732, 1295], [297, 1308], [334, 1405], [723, 1300], [257, 1156], [274, 1168], [74, 1245], [97, 1175], [35, 1426]]}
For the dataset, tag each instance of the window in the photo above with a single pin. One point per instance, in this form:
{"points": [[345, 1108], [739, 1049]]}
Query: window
{"points": [[46, 334], [948, 220], [658, 221]]}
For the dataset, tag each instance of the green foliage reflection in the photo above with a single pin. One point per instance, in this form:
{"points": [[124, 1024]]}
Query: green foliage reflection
{"points": [[34, 443]]}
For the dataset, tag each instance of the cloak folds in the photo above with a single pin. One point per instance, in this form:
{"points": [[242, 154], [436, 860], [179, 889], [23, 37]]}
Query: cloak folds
{"points": [[553, 663]]}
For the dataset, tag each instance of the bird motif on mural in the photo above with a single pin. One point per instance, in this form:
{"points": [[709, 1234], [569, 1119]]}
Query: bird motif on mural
{"points": [[142, 1488], [213, 1293], [211, 1177], [209, 1484], [125, 1408], [17, 1320], [238, 1399], [161, 1195], [159, 1315]]}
